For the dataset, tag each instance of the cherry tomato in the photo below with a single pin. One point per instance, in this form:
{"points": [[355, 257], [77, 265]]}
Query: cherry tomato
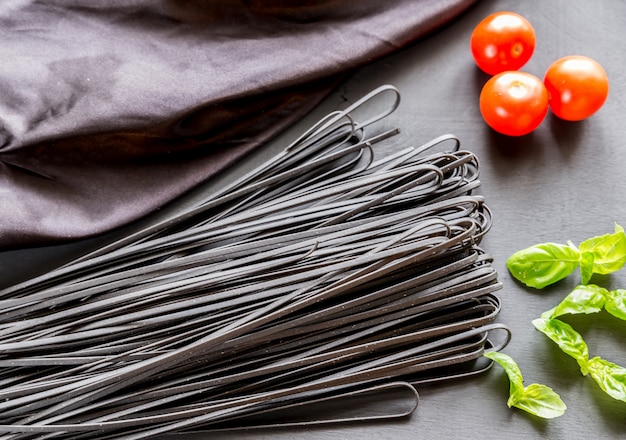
{"points": [[578, 87], [502, 41], [514, 103]]}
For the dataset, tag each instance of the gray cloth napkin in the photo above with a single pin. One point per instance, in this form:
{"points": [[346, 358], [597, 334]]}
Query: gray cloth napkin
{"points": [[110, 109]]}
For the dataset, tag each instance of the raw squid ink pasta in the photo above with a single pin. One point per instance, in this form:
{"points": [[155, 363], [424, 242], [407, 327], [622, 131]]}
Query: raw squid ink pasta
{"points": [[325, 275]]}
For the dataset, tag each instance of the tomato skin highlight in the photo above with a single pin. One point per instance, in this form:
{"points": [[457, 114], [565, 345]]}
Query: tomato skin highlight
{"points": [[578, 87], [502, 41], [514, 103]]}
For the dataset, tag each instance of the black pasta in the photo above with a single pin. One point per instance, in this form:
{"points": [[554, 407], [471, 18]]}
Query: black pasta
{"points": [[324, 274]]}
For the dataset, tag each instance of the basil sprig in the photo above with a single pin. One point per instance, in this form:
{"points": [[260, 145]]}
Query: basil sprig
{"points": [[543, 264], [535, 398], [546, 263], [590, 298], [609, 376]]}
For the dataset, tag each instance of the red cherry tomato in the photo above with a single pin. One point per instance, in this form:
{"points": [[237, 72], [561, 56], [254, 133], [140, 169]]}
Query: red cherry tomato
{"points": [[502, 41], [578, 87], [514, 103]]}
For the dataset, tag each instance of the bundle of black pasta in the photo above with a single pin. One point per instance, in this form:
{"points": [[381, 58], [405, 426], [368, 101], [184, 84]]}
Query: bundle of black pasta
{"points": [[323, 274]]}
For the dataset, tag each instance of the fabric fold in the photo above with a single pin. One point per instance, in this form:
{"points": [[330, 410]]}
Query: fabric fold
{"points": [[108, 110]]}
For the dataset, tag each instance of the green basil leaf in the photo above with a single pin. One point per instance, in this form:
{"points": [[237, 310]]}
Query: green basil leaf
{"points": [[536, 399], [510, 368], [539, 400], [586, 266], [610, 377], [568, 339], [543, 264], [616, 303], [586, 298], [609, 251]]}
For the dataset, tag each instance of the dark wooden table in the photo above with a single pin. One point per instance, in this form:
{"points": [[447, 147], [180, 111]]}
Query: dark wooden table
{"points": [[565, 181]]}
